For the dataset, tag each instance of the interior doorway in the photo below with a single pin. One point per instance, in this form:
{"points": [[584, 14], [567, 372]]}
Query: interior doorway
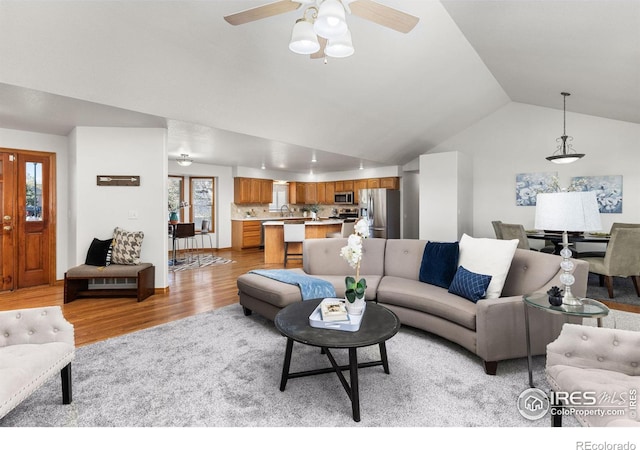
{"points": [[27, 209]]}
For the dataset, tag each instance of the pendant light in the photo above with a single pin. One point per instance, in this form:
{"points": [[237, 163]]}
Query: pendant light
{"points": [[304, 40], [564, 153]]}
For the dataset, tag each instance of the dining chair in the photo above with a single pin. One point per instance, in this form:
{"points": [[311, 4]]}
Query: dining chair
{"points": [[516, 231], [186, 232], [204, 231], [293, 234], [621, 259], [496, 228], [614, 226]]}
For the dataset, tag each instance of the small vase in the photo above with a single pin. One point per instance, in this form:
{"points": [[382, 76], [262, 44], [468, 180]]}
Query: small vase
{"points": [[173, 218], [357, 307]]}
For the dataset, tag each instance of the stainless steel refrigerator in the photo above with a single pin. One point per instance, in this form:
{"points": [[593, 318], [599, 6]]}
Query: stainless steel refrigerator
{"points": [[382, 209]]}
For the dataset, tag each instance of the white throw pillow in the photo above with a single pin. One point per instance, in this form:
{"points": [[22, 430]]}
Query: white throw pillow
{"points": [[489, 257]]}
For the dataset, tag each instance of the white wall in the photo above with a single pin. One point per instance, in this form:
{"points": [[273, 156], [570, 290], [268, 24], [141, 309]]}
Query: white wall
{"points": [[23, 140], [223, 196], [97, 210], [446, 200], [518, 137]]}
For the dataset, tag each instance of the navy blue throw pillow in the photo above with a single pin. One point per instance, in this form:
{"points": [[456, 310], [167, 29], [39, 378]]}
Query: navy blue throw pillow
{"points": [[439, 263], [472, 286]]}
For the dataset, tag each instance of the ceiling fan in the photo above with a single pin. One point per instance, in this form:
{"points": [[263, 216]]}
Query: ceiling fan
{"points": [[322, 31]]}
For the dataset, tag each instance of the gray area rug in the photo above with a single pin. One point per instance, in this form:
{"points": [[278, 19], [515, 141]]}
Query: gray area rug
{"points": [[202, 261], [222, 369]]}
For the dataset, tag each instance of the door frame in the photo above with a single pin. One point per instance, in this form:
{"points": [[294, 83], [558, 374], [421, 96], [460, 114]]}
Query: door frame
{"points": [[51, 205]]}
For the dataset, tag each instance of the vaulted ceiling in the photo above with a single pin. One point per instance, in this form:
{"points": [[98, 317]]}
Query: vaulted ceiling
{"points": [[235, 95]]}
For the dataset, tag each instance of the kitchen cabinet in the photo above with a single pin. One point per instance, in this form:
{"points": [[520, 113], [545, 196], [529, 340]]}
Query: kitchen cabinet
{"points": [[390, 183], [321, 193], [311, 193], [245, 234], [373, 183], [344, 186], [357, 185], [252, 190], [329, 191]]}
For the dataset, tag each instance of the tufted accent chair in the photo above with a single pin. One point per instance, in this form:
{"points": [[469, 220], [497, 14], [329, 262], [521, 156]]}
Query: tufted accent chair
{"points": [[601, 360], [35, 343]]}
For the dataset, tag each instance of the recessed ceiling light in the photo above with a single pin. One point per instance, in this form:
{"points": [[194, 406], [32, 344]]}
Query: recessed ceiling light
{"points": [[262, 166]]}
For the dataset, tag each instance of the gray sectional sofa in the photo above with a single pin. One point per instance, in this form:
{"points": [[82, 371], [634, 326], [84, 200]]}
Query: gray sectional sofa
{"points": [[493, 329]]}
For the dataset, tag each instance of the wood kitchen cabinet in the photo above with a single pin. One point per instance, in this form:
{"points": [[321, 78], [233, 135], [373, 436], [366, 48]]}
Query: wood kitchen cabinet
{"points": [[252, 190], [390, 183], [311, 193], [357, 185], [245, 234], [329, 191]]}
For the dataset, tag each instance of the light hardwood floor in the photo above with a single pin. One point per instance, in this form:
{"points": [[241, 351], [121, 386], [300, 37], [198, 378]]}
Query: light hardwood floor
{"points": [[190, 292]]}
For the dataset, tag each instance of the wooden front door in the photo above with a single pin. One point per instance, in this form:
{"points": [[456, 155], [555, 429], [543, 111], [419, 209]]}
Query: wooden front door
{"points": [[7, 213], [28, 215]]}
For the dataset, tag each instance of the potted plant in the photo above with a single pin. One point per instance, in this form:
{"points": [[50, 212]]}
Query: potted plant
{"points": [[352, 253], [555, 296], [315, 208]]}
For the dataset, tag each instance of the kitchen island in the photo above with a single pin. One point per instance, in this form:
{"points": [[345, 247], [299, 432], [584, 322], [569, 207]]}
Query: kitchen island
{"points": [[274, 237]]}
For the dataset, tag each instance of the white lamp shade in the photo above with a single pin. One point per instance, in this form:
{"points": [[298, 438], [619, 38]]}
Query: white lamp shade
{"points": [[567, 211], [303, 39], [340, 47], [331, 22]]}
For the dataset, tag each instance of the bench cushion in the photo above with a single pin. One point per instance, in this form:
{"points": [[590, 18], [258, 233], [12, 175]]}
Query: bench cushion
{"points": [[110, 271]]}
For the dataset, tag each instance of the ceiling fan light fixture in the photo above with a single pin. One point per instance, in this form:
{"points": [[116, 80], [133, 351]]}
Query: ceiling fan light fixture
{"points": [[331, 22], [340, 47], [564, 154], [304, 40], [184, 160]]}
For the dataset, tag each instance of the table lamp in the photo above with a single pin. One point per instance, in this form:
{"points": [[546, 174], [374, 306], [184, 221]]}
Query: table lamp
{"points": [[567, 212]]}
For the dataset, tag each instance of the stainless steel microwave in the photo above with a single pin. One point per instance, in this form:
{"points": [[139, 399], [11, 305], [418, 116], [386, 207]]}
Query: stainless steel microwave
{"points": [[343, 198]]}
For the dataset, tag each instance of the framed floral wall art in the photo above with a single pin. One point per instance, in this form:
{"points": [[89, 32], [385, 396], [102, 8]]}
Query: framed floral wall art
{"points": [[528, 185], [608, 189]]}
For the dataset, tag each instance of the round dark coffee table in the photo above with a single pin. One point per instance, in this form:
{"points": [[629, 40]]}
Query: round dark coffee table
{"points": [[378, 325]]}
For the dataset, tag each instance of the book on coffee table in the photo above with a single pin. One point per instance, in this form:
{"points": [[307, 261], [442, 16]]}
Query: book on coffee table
{"points": [[333, 310], [351, 323]]}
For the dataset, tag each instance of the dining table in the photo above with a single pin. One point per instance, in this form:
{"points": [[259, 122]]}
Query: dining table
{"points": [[555, 237]]}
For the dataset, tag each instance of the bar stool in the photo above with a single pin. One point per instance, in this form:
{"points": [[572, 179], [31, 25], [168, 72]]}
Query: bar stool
{"points": [[347, 229], [204, 231], [293, 233], [187, 233]]}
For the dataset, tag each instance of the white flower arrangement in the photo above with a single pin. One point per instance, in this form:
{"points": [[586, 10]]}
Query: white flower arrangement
{"points": [[352, 253]]}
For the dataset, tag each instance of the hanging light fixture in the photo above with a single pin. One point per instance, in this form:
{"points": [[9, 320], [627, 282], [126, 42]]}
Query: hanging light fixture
{"points": [[184, 160], [331, 22], [304, 40], [340, 47], [564, 153], [325, 23]]}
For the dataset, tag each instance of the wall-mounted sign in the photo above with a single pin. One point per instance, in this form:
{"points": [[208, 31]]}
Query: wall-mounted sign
{"points": [[118, 180]]}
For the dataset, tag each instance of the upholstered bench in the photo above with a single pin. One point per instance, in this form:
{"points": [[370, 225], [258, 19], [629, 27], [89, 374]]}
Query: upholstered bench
{"points": [[76, 281], [35, 344]]}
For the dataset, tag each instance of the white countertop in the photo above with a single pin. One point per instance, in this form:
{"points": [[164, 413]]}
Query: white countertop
{"points": [[308, 222]]}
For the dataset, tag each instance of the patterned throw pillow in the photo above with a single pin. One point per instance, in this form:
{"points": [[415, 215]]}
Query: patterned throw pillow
{"points": [[472, 286], [126, 246]]}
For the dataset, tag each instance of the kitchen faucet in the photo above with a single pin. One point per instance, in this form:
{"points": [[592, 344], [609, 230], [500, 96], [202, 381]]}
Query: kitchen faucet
{"points": [[285, 207]]}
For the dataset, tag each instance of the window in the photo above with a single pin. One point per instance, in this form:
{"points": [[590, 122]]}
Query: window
{"points": [[280, 197], [33, 191], [201, 203], [176, 195]]}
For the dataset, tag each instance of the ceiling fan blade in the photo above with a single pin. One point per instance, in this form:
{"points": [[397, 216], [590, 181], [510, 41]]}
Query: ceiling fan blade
{"points": [[262, 12], [320, 53], [384, 15]]}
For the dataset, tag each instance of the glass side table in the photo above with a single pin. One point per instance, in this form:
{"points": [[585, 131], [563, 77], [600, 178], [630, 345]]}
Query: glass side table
{"points": [[590, 309]]}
